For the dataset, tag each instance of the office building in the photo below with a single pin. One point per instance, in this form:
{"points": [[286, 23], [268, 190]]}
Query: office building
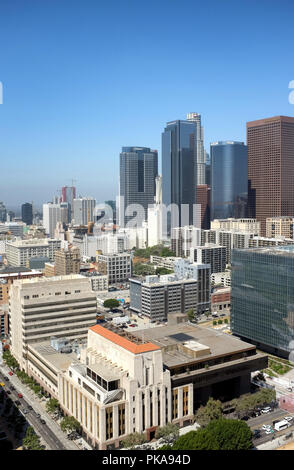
{"points": [[98, 281], [116, 267], [68, 194], [67, 261], [46, 307], [19, 251], [212, 254], [203, 199], [221, 279], [185, 238], [185, 269], [229, 180], [12, 228], [27, 213], [158, 296], [270, 168], [262, 297], [237, 225], [52, 214], [221, 300], [179, 174], [201, 154], [3, 212], [138, 170], [278, 227], [84, 210]]}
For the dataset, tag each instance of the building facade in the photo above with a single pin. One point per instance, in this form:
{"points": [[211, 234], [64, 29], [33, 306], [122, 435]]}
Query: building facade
{"points": [[19, 251], [117, 267]]}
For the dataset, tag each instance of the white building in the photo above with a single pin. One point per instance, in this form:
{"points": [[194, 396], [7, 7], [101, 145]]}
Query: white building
{"points": [[19, 251], [117, 267], [13, 228], [83, 210], [238, 225], [184, 238], [52, 214]]}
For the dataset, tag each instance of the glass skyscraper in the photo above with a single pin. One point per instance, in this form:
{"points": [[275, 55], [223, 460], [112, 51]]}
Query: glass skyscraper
{"points": [[229, 180], [262, 297], [179, 170], [138, 170]]}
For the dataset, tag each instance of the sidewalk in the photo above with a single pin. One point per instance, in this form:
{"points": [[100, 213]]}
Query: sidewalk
{"points": [[39, 407]]}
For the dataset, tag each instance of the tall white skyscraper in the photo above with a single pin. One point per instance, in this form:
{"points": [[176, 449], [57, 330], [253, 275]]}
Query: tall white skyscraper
{"points": [[201, 154], [83, 210], [53, 213]]}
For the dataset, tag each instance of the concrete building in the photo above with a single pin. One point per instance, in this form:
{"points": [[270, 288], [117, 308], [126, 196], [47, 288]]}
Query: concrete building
{"points": [[56, 306], [223, 279], [19, 251], [237, 225], [201, 154], [184, 238], [212, 254], [164, 261], [83, 210], [157, 296], [117, 267], [128, 383], [15, 229], [49, 270], [278, 227], [67, 261], [52, 214], [184, 269], [98, 281], [221, 300]]}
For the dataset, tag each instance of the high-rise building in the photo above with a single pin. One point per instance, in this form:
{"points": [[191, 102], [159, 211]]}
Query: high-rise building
{"points": [[229, 180], [212, 254], [67, 261], [262, 297], [138, 170], [52, 214], [203, 199], [201, 154], [270, 168], [27, 213], [68, 194], [83, 210], [3, 212], [179, 174], [184, 238], [277, 227]]}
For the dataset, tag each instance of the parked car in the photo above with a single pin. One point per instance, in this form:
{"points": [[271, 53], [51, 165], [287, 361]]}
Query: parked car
{"points": [[256, 433], [288, 418], [265, 426], [17, 402], [267, 409], [20, 395], [43, 421], [12, 388], [8, 392], [30, 407], [10, 373]]}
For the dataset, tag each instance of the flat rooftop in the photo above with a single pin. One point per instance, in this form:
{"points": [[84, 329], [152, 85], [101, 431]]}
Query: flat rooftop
{"points": [[277, 250], [57, 360], [168, 337]]}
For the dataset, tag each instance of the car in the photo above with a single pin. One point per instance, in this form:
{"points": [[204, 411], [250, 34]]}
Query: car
{"points": [[30, 407], [43, 421], [20, 395], [132, 325], [25, 411], [265, 426], [8, 392], [10, 373], [256, 433], [269, 431], [2, 384], [17, 402], [11, 388], [288, 418], [266, 410]]}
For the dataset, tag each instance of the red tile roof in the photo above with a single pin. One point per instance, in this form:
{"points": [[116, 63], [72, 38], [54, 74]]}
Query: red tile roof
{"points": [[124, 342]]}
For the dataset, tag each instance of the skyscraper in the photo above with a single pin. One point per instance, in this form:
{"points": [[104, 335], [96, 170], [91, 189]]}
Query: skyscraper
{"points": [[179, 172], [53, 213], [3, 212], [201, 154], [27, 213], [229, 180], [68, 194], [83, 210], [138, 170], [270, 168]]}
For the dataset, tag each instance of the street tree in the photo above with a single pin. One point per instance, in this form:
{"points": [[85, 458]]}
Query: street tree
{"points": [[211, 411]]}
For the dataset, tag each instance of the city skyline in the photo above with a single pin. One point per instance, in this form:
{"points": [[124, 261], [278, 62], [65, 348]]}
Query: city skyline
{"points": [[63, 95]]}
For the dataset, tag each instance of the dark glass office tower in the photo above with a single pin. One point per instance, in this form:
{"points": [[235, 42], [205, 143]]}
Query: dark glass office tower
{"points": [[27, 213], [138, 170], [179, 170], [229, 180], [262, 297]]}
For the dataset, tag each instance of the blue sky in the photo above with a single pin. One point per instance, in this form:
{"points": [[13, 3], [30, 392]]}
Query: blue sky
{"points": [[82, 78]]}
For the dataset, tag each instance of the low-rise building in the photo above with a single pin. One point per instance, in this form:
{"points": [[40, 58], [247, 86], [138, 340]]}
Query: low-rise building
{"points": [[221, 300], [19, 251], [117, 267]]}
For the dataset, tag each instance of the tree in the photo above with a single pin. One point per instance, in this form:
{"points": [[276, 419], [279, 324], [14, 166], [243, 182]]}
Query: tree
{"points": [[143, 269], [226, 320], [160, 271], [169, 433], [69, 424], [10, 360], [133, 440], [221, 434], [214, 322], [211, 411], [111, 303], [52, 405], [190, 314], [31, 441]]}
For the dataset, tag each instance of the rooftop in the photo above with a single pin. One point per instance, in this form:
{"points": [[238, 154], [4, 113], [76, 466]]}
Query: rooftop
{"points": [[58, 360]]}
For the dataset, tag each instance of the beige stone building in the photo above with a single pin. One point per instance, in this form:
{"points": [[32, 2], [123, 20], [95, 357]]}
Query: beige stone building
{"points": [[67, 261], [277, 227]]}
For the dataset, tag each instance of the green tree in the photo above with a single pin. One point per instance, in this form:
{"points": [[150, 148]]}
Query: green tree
{"points": [[9, 359], [220, 322], [111, 303], [190, 314], [133, 440], [31, 441], [221, 434], [159, 271], [52, 405], [143, 269], [211, 411], [226, 320], [69, 424], [170, 432]]}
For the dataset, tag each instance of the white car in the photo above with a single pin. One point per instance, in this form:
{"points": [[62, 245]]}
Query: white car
{"points": [[266, 410], [266, 427], [288, 418]]}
